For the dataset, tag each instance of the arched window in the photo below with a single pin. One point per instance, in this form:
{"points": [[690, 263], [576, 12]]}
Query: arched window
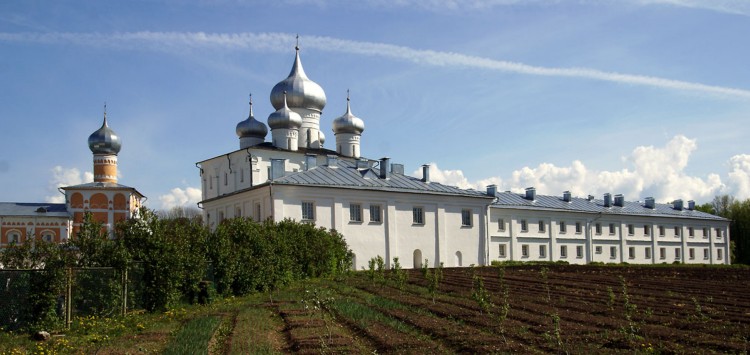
{"points": [[48, 236], [458, 258], [98, 201], [13, 237], [417, 259]]}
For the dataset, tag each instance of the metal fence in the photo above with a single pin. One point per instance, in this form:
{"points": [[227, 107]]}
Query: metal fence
{"points": [[61, 295]]}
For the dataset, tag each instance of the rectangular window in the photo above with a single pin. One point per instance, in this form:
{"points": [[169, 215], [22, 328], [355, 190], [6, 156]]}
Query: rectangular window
{"points": [[691, 232], [705, 253], [719, 254], [563, 251], [375, 214], [611, 229], [662, 253], [355, 212], [579, 228], [677, 253], [466, 218], [579, 252], [542, 251], [661, 231], [598, 229], [501, 250], [631, 229], [541, 226], [525, 250], [524, 226], [563, 227], [676, 232], [257, 212], [705, 233], [718, 233], [242, 175], [226, 179], [631, 253], [647, 252], [598, 249], [612, 252], [647, 230], [501, 224], [417, 215], [308, 211], [691, 253], [237, 212]]}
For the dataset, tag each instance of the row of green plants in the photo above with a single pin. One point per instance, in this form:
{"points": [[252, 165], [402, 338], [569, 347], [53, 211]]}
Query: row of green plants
{"points": [[176, 257]]}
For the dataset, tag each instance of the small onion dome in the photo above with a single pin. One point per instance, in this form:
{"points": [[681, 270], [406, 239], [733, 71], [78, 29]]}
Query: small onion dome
{"points": [[104, 140], [284, 117], [348, 123], [301, 91], [251, 127], [321, 137]]}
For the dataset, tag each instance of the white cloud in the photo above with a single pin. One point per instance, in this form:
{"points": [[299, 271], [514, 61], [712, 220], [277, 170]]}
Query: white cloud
{"points": [[737, 7], [651, 171], [180, 42], [178, 197], [66, 177]]}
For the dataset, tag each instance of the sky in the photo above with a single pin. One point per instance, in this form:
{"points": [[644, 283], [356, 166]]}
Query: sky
{"points": [[647, 98]]}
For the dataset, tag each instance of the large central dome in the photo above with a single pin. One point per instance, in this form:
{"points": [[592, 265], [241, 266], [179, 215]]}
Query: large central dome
{"points": [[301, 92]]}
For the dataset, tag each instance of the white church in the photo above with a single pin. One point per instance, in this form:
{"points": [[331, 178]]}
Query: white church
{"points": [[382, 211]]}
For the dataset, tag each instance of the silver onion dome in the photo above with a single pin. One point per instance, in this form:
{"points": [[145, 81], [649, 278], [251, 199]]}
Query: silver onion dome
{"points": [[104, 140], [348, 123], [321, 137], [301, 91], [251, 127], [284, 117]]}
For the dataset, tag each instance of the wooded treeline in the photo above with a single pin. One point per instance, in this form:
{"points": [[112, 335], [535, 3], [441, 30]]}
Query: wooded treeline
{"points": [[738, 212]]}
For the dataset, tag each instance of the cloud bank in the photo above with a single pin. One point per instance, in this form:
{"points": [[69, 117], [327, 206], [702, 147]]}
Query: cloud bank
{"points": [[179, 197], [180, 42], [658, 172], [65, 177]]}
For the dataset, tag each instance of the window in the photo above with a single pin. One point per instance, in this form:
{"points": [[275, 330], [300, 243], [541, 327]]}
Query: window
{"points": [[648, 252], [542, 251], [501, 224], [579, 252], [705, 253], [242, 175], [647, 230], [541, 226], [563, 251], [14, 238], [598, 228], [47, 236], [525, 250], [563, 227], [226, 179], [355, 212], [466, 218], [417, 215], [631, 253], [211, 182], [375, 214], [308, 211], [238, 212], [221, 216], [631, 229], [257, 212], [691, 232], [524, 226], [662, 253], [676, 232], [501, 250], [677, 253], [611, 229], [661, 231], [705, 232], [718, 233], [691, 253], [579, 228], [612, 252], [719, 254], [598, 249]]}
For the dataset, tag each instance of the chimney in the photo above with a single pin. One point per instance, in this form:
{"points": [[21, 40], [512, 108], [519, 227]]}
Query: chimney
{"points": [[677, 204], [277, 168], [608, 200], [691, 205], [311, 161], [492, 190], [362, 164], [619, 200], [566, 196], [384, 173], [650, 203], [332, 161], [397, 168], [426, 173], [590, 198], [530, 193]]}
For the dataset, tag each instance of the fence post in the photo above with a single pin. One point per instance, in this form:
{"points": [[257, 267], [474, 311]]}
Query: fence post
{"points": [[125, 291], [69, 298]]}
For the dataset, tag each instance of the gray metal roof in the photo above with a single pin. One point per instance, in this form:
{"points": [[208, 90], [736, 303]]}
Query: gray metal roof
{"points": [[346, 175], [577, 204], [102, 185], [26, 209]]}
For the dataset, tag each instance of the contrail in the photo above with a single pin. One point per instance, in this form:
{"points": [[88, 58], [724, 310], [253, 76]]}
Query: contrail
{"points": [[279, 42]]}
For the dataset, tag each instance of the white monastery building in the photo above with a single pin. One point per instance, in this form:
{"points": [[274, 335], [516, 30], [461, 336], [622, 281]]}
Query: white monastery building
{"points": [[381, 211]]}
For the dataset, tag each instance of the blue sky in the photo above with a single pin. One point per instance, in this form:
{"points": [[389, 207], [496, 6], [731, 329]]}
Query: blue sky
{"points": [[644, 98]]}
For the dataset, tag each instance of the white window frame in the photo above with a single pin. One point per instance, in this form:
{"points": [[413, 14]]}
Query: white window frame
{"points": [[524, 226], [677, 254], [691, 253], [524, 250], [631, 229], [691, 232], [598, 229], [563, 251], [376, 213], [613, 252], [647, 230], [355, 213], [662, 253], [466, 218], [542, 251], [612, 229], [647, 252], [308, 210], [417, 215], [662, 231], [598, 249], [501, 225], [563, 227], [631, 252], [705, 253], [502, 251], [677, 231], [719, 254], [579, 251], [579, 228], [542, 227]]}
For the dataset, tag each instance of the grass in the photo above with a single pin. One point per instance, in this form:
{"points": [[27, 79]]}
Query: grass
{"points": [[257, 331], [193, 337]]}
